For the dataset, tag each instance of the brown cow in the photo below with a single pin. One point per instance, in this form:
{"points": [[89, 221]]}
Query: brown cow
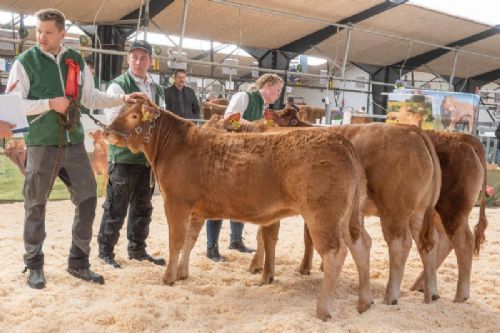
{"points": [[281, 118], [15, 150], [99, 158], [463, 168], [310, 113], [208, 109], [410, 151], [264, 180]]}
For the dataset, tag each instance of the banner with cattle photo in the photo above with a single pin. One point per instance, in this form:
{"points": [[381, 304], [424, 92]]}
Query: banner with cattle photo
{"points": [[429, 109]]}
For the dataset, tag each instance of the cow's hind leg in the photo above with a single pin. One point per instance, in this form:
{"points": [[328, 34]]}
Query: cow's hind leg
{"points": [[306, 264], [333, 261], [398, 239], [428, 257], [258, 259], [360, 251], [195, 225], [463, 242], [270, 237], [333, 250], [444, 248]]}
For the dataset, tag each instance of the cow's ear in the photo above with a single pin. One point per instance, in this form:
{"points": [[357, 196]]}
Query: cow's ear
{"points": [[92, 135], [148, 113], [234, 117], [270, 115]]}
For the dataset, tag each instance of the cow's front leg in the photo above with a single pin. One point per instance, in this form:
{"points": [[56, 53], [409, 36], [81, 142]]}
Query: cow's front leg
{"points": [[195, 225], [177, 225]]}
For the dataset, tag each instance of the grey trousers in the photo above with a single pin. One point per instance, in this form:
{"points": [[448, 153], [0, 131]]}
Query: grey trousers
{"points": [[75, 171]]}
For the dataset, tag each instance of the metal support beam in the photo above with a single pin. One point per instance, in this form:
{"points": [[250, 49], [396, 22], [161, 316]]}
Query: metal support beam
{"points": [[346, 52], [305, 43], [452, 76], [421, 59], [146, 19], [183, 25]]}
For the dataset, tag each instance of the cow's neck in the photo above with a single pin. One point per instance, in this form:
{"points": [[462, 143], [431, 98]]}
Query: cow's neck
{"points": [[168, 134]]}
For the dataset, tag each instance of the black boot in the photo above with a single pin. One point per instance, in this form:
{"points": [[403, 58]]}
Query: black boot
{"points": [[110, 260], [213, 253], [240, 246], [36, 279], [86, 275], [147, 257]]}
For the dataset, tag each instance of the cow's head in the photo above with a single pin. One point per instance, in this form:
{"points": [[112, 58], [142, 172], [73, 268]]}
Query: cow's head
{"points": [[133, 126], [287, 117]]}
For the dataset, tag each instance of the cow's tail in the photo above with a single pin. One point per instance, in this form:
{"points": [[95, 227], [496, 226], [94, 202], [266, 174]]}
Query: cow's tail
{"points": [[426, 236], [355, 220], [481, 225]]}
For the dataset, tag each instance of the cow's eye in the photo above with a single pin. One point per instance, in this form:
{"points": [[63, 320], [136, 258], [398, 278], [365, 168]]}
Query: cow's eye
{"points": [[134, 117]]}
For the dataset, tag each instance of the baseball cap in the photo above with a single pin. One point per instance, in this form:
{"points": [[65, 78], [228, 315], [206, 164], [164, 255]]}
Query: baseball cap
{"points": [[141, 44]]}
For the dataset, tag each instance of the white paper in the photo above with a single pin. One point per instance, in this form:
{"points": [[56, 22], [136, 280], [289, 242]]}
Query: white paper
{"points": [[11, 110]]}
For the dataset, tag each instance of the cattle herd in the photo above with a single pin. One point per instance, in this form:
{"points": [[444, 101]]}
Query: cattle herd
{"points": [[422, 184]]}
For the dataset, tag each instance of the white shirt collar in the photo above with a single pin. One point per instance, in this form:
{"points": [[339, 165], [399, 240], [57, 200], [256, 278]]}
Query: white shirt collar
{"points": [[138, 80], [62, 50]]}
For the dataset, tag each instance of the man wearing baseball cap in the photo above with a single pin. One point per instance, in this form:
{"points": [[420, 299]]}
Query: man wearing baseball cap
{"points": [[129, 187]]}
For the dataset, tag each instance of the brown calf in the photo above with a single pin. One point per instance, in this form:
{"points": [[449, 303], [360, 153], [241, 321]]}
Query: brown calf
{"points": [[463, 168], [264, 179], [99, 158]]}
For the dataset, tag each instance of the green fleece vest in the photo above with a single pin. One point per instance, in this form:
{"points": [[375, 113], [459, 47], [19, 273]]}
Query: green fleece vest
{"points": [[255, 106], [45, 77], [123, 154]]}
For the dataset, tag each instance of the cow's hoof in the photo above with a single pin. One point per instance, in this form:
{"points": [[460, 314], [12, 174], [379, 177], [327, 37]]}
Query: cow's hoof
{"points": [[390, 301], [431, 298], [364, 305], [323, 315], [182, 274], [254, 269], [460, 299], [305, 271], [418, 285], [169, 281], [267, 279]]}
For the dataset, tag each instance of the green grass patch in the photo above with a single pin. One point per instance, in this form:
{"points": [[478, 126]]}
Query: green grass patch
{"points": [[12, 181]]}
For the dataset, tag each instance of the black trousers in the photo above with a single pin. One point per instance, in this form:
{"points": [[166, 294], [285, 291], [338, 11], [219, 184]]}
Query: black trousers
{"points": [[128, 190]]}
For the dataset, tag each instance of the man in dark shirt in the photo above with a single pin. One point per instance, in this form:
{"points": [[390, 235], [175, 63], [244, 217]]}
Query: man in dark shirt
{"points": [[180, 99]]}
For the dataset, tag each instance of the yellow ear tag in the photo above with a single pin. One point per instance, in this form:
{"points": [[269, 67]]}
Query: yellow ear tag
{"points": [[268, 122], [235, 124], [146, 115]]}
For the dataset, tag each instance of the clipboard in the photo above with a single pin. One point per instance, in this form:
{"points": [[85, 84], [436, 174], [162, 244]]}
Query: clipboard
{"points": [[11, 111]]}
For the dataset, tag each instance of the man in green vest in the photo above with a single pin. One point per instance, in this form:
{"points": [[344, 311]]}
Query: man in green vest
{"points": [[131, 184], [41, 73], [251, 106]]}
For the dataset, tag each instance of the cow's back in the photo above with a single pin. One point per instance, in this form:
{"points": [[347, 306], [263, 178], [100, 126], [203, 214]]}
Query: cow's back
{"points": [[255, 174], [400, 165]]}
